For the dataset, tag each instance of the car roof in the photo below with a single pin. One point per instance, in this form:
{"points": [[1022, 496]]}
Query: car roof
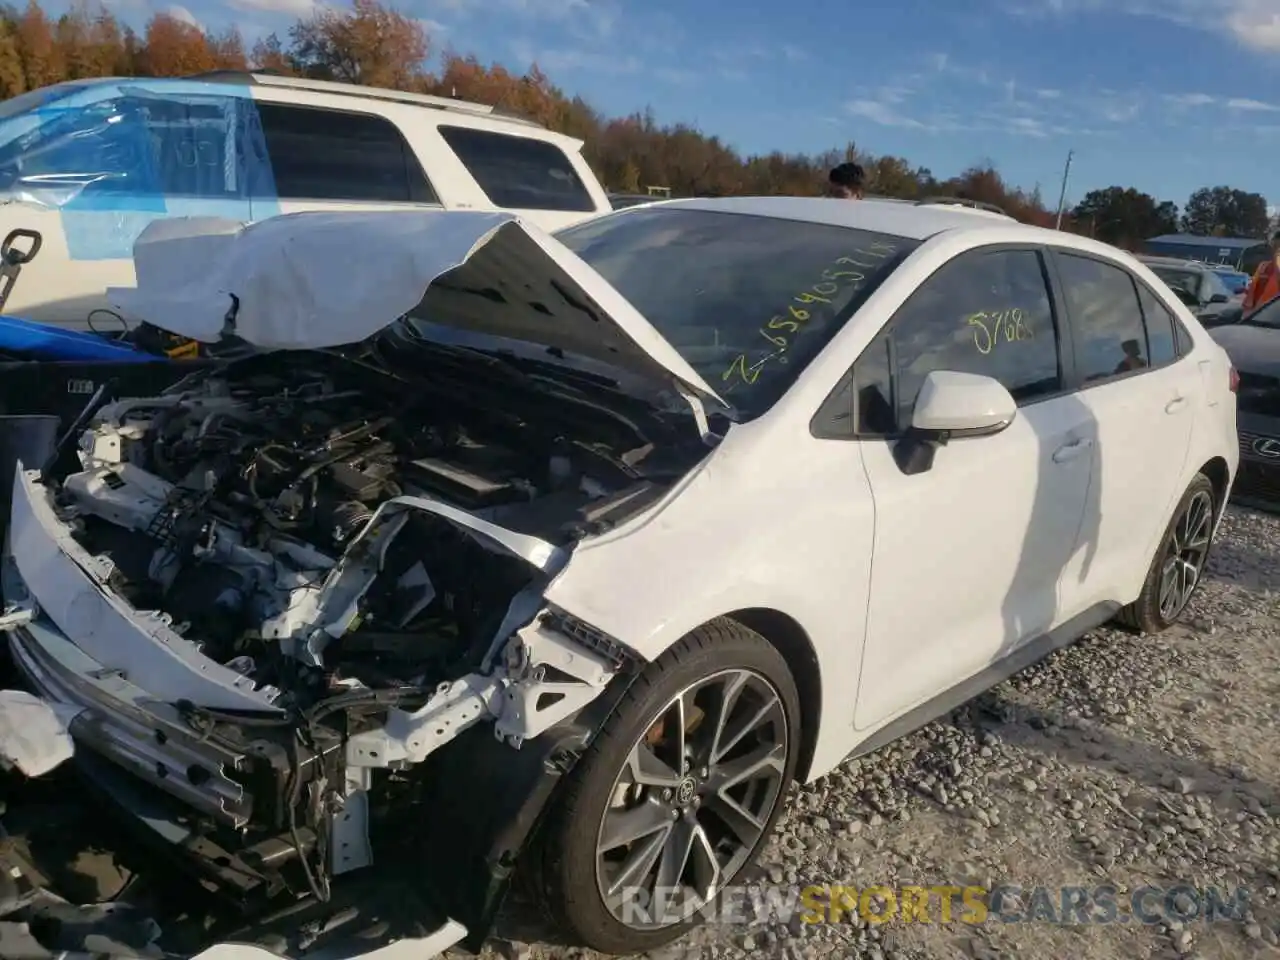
{"points": [[1174, 262], [301, 86], [915, 221]]}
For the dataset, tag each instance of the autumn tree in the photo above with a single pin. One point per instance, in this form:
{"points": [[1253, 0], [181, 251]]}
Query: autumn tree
{"points": [[1124, 216], [269, 55], [13, 78], [42, 61], [371, 44], [175, 48], [1225, 212]]}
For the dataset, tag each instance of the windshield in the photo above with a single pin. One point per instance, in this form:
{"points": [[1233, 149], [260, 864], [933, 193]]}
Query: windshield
{"points": [[1188, 281], [1267, 315], [747, 300]]}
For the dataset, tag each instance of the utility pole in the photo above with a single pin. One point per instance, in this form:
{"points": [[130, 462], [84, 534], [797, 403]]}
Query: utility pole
{"points": [[1062, 197]]}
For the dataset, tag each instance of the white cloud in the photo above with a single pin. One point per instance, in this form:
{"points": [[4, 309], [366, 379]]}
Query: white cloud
{"points": [[1027, 127], [1254, 24], [1190, 99], [1244, 103], [184, 15], [294, 8], [882, 113], [567, 60]]}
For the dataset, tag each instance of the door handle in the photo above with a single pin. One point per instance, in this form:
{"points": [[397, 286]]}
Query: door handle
{"points": [[1176, 404], [1070, 451]]}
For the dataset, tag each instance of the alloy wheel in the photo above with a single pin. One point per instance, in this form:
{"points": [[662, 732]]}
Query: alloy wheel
{"points": [[693, 799], [1185, 556]]}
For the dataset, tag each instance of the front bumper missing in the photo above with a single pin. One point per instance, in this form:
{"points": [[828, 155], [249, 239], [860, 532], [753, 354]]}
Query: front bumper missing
{"points": [[98, 664], [36, 923]]}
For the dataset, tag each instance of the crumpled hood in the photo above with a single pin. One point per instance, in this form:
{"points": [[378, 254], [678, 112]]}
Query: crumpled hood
{"points": [[325, 279]]}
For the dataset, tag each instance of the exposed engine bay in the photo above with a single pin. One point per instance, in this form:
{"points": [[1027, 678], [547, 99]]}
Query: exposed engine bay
{"points": [[229, 504], [369, 553]]}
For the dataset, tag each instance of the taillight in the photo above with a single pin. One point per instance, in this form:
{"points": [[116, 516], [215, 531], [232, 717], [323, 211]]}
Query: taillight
{"points": [[1234, 380]]}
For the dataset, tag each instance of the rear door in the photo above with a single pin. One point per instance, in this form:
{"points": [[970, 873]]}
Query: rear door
{"points": [[1142, 395]]}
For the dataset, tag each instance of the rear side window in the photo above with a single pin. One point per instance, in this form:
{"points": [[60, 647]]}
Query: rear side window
{"points": [[335, 155], [519, 173], [1162, 342], [984, 312], [1106, 317]]}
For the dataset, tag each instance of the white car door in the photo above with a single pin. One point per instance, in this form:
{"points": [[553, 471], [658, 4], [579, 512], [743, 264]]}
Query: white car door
{"points": [[1144, 398], [968, 555]]}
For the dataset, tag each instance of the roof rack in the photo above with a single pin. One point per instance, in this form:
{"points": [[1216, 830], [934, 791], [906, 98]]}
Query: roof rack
{"points": [[268, 78], [961, 202]]}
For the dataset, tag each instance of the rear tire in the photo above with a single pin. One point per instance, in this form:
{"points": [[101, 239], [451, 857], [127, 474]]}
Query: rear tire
{"points": [[1178, 566], [731, 692]]}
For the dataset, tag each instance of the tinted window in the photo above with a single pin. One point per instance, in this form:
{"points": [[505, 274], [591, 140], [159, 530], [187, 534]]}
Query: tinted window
{"points": [[1161, 344], [986, 313], [1105, 316], [748, 301], [519, 173], [335, 155], [184, 147]]}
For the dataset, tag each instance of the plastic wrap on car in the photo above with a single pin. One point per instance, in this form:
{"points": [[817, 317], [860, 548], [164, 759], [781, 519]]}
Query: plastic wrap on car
{"points": [[97, 155]]}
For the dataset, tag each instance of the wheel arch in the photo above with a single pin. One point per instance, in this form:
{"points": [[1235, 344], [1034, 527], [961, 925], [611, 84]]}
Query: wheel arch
{"points": [[791, 640], [1219, 475]]}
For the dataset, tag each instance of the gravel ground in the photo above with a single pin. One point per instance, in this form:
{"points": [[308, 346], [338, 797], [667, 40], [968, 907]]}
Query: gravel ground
{"points": [[1122, 760]]}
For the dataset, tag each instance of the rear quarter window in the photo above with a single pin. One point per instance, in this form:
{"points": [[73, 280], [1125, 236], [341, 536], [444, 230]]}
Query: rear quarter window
{"points": [[519, 173]]}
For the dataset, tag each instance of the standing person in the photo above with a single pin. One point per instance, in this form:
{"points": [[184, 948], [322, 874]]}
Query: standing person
{"points": [[846, 181], [1266, 279]]}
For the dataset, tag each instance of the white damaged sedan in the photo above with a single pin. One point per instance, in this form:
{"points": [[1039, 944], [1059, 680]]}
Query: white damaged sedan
{"points": [[569, 554]]}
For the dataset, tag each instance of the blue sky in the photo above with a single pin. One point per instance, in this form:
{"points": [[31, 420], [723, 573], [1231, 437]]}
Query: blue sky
{"points": [[1164, 95]]}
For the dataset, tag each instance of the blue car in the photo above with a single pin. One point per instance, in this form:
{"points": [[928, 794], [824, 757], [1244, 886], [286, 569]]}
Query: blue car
{"points": [[1233, 280]]}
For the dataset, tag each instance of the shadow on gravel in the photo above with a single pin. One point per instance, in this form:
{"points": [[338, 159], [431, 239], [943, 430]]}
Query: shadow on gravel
{"points": [[1102, 749]]}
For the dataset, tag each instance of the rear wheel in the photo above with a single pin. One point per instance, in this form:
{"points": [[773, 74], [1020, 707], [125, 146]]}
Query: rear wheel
{"points": [[676, 795], [1179, 563]]}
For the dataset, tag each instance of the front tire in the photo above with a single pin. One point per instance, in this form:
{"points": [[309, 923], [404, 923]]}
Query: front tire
{"points": [[677, 793], [1179, 562]]}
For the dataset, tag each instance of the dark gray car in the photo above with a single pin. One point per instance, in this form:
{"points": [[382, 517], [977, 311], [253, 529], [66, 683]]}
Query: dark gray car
{"points": [[1199, 287], [1254, 346]]}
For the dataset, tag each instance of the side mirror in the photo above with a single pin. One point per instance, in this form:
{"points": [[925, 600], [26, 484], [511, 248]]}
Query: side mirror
{"points": [[1219, 298], [952, 405]]}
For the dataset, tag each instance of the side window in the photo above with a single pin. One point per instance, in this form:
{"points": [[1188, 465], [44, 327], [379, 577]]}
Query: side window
{"points": [[519, 173], [335, 155], [1162, 346], [987, 313], [1105, 317]]}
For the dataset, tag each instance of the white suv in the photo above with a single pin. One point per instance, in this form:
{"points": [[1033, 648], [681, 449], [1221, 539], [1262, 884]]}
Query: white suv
{"points": [[612, 534], [88, 164]]}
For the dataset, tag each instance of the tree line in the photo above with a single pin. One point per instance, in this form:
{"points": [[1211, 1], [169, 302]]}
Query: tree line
{"points": [[377, 45]]}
